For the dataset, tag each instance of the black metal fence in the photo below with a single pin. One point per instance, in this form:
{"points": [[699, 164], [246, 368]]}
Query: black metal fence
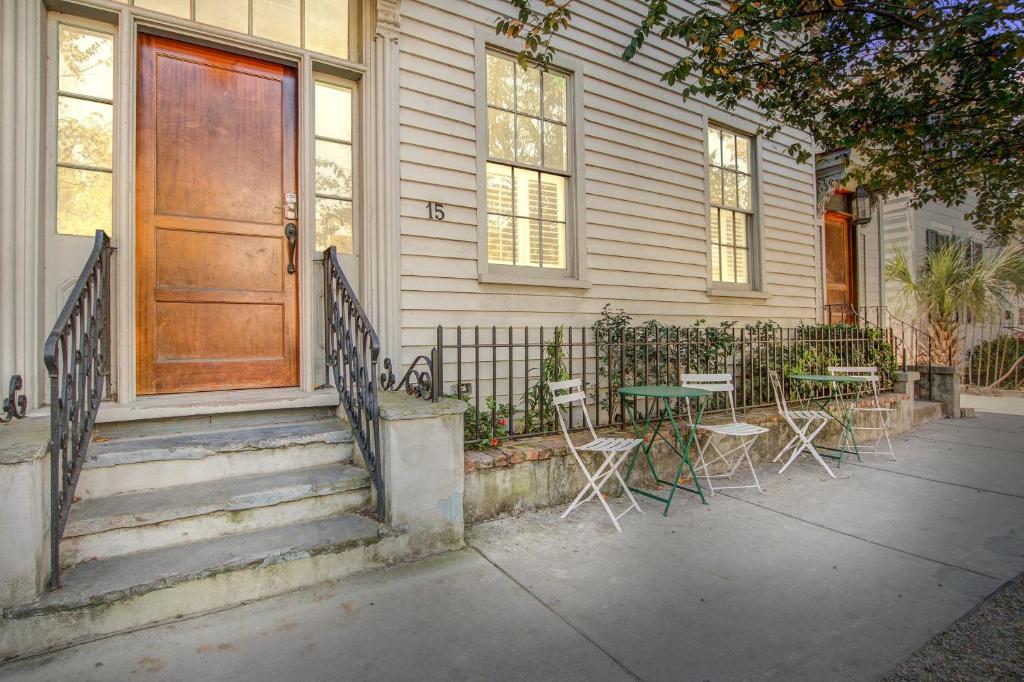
{"points": [[993, 355], [503, 372]]}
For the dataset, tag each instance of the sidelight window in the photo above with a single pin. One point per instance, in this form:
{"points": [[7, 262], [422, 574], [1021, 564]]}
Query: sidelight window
{"points": [[333, 172], [85, 130], [528, 165]]}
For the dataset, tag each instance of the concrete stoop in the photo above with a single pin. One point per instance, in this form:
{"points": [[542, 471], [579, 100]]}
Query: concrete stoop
{"points": [[188, 516], [121, 594], [926, 411]]}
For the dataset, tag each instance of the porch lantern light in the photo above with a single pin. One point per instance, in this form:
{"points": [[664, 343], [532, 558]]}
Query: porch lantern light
{"points": [[862, 201]]}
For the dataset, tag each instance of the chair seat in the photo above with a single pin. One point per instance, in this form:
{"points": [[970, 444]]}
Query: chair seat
{"points": [[734, 429], [610, 445], [810, 414]]}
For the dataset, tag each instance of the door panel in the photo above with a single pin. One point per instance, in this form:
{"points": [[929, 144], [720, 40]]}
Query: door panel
{"points": [[216, 153], [840, 283]]}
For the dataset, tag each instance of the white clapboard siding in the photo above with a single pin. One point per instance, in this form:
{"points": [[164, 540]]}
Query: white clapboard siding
{"points": [[643, 176]]}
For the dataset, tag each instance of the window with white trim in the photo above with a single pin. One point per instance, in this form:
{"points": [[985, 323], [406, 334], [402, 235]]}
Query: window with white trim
{"points": [[528, 165], [85, 130], [731, 189]]}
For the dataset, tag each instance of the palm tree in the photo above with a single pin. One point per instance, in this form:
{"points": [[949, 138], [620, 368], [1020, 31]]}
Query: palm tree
{"points": [[953, 282]]}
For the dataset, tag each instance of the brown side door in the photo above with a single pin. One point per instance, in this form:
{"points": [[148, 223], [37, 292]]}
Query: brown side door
{"points": [[840, 267], [216, 154]]}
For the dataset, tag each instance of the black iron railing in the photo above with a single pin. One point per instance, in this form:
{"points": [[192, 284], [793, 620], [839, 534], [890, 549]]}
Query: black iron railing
{"points": [[503, 372], [77, 359], [915, 348], [352, 351], [993, 355]]}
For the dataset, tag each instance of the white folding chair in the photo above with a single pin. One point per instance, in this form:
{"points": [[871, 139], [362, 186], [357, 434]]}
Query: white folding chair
{"points": [[806, 425], [884, 414], [615, 451], [742, 432]]}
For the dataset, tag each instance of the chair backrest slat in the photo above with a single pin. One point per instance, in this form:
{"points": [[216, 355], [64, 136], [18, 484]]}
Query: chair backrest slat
{"points": [[566, 392], [716, 383], [569, 397], [780, 395]]}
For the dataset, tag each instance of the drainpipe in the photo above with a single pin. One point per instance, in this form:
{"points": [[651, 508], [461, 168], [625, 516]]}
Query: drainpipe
{"points": [[881, 262]]}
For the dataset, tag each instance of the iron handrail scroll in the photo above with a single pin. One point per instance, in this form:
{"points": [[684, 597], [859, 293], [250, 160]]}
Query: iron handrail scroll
{"points": [[352, 351], [15, 405], [77, 359]]}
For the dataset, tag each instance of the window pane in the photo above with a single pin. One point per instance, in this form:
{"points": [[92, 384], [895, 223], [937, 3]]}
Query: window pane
{"points": [[277, 20], [552, 197], [179, 8], [715, 217], [528, 242], [740, 222], [500, 245], [715, 185], [84, 200], [728, 267], [728, 150], [714, 147], [554, 146], [86, 64], [554, 96], [553, 245], [501, 134], [85, 132], [743, 154], [527, 188], [333, 111], [743, 199], [333, 224], [528, 139], [729, 188], [726, 227], [528, 91], [716, 265], [229, 14], [501, 82], [333, 168], [742, 267], [499, 189], [327, 27]]}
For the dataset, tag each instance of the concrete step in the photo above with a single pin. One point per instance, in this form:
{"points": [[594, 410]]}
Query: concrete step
{"points": [[100, 528], [129, 592], [926, 411], [133, 461]]}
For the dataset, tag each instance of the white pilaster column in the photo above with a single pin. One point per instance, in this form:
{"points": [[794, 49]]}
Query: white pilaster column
{"points": [[22, 26], [381, 257]]}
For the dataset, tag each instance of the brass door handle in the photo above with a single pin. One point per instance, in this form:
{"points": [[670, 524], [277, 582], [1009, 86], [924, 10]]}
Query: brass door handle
{"points": [[292, 233]]}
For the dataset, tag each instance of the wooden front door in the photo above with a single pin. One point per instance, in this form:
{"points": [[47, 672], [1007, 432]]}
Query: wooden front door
{"points": [[840, 267], [216, 154]]}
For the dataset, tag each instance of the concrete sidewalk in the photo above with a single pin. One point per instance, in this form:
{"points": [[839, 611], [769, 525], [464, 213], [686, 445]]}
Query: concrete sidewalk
{"points": [[814, 579]]}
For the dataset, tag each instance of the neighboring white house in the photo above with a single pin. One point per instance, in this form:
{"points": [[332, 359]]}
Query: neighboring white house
{"points": [[894, 225], [459, 189]]}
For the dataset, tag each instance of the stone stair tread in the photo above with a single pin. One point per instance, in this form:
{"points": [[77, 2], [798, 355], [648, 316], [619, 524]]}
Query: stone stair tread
{"points": [[200, 443], [108, 580], [230, 494]]}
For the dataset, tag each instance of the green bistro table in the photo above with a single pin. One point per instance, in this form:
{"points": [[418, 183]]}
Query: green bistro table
{"points": [[847, 443], [658, 411]]}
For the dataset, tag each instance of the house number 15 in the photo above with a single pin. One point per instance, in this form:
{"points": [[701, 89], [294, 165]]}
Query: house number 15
{"points": [[435, 211]]}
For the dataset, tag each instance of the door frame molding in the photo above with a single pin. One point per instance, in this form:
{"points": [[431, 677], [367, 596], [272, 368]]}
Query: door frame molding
{"points": [[131, 22]]}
